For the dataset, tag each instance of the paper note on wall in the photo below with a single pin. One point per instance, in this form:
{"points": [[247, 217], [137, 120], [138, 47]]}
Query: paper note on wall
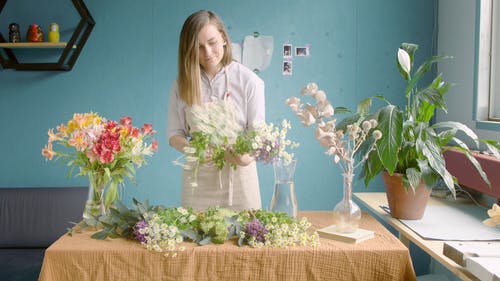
{"points": [[257, 52], [236, 51]]}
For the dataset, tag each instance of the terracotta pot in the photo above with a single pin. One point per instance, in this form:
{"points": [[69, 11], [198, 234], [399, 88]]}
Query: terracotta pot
{"points": [[405, 204]]}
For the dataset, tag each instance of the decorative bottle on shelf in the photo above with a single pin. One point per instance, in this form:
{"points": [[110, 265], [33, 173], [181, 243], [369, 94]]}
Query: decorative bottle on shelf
{"points": [[347, 214], [34, 34], [284, 199], [53, 32], [14, 33]]}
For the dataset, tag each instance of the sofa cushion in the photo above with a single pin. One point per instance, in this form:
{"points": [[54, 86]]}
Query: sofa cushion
{"points": [[36, 217]]}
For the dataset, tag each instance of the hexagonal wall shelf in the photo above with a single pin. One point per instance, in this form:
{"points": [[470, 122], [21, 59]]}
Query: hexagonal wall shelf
{"points": [[71, 50]]}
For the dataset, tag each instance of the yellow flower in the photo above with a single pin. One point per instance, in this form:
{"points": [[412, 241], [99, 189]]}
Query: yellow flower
{"points": [[72, 126]]}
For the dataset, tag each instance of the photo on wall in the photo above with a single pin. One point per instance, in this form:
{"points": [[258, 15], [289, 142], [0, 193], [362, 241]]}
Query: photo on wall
{"points": [[287, 68], [302, 51], [287, 50]]}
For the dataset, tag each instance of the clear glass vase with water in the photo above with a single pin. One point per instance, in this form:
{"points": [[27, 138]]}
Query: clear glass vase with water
{"points": [[284, 199]]}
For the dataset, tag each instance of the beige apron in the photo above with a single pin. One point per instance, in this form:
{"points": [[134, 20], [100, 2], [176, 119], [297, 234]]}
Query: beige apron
{"points": [[234, 189]]}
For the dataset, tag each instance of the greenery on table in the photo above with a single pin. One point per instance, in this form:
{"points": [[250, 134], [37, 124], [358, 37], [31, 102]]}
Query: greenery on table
{"points": [[163, 229]]}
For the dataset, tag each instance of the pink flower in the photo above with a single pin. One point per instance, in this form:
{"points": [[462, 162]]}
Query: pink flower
{"points": [[154, 145], [92, 155], [147, 129], [52, 136], [134, 132], [106, 156], [126, 121], [79, 141], [48, 152], [111, 126]]}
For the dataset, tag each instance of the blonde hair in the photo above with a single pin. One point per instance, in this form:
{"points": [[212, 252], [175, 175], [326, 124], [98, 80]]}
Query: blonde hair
{"points": [[189, 77]]}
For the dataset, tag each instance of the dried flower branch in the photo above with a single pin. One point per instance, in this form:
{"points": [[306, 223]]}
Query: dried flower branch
{"points": [[341, 143]]}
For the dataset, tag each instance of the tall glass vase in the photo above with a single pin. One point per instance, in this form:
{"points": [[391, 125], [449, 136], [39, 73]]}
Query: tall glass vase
{"points": [[95, 205], [346, 213], [284, 199]]}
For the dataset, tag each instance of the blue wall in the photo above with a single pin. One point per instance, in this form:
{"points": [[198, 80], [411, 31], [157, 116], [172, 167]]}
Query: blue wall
{"points": [[129, 64]]}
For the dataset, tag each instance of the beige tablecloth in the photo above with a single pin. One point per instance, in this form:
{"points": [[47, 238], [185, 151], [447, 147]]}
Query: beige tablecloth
{"points": [[384, 257]]}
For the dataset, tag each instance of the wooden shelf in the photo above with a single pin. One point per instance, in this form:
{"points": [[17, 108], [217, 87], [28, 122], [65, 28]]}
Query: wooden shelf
{"points": [[70, 50], [35, 45]]}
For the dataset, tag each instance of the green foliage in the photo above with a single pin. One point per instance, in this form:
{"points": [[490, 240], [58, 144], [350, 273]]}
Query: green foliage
{"points": [[159, 228], [409, 144], [213, 226]]}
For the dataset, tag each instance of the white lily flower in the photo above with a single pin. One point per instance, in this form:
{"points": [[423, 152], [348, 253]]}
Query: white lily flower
{"points": [[404, 60]]}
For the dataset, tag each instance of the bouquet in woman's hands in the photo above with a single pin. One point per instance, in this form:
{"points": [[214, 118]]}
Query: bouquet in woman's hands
{"points": [[217, 132]]}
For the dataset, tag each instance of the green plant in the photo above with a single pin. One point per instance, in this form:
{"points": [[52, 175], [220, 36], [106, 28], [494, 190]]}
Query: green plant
{"points": [[410, 144]]}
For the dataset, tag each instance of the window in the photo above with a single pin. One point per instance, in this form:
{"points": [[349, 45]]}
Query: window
{"points": [[494, 109], [488, 62]]}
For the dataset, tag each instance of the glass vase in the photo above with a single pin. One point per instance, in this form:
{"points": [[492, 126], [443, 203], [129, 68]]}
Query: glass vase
{"points": [[346, 213], [95, 204], [284, 199]]}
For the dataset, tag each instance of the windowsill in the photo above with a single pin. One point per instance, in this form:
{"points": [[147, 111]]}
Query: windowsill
{"points": [[488, 125]]}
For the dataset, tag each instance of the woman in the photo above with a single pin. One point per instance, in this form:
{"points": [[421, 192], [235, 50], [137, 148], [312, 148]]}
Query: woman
{"points": [[206, 72]]}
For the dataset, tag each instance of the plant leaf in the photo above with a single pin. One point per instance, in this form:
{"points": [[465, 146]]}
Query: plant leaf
{"points": [[476, 164], [390, 120], [101, 235], [341, 110], [364, 106], [432, 151], [111, 194], [413, 176], [458, 126]]}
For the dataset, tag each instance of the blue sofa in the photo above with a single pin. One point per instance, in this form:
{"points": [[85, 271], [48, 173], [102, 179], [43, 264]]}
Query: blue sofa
{"points": [[30, 220]]}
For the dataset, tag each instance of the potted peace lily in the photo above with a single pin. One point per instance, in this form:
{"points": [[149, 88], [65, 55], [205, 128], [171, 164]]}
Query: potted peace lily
{"points": [[410, 153]]}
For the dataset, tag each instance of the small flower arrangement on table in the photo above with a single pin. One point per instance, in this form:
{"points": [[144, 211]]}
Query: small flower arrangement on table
{"points": [[349, 142], [104, 150], [163, 229]]}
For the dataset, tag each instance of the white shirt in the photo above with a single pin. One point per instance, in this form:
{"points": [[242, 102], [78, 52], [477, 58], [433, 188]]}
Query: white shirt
{"points": [[246, 93]]}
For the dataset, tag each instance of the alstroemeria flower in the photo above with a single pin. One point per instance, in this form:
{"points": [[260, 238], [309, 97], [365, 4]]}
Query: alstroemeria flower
{"points": [[48, 152], [52, 136], [147, 129], [404, 60], [79, 141], [154, 145], [126, 121]]}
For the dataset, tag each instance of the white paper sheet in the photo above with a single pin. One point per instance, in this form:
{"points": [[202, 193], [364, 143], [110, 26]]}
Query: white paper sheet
{"points": [[236, 51], [257, 51], [449, 222], [455, 223]]}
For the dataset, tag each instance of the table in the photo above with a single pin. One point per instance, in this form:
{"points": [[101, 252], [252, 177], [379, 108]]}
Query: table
{"points": [[373, 201], [384, 257]]}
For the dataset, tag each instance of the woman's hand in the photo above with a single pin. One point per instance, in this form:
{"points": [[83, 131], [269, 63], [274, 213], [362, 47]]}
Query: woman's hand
{"points": [[240, 160]]}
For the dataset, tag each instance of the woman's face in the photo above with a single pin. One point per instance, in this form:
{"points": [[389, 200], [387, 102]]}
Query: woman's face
{"points": [[211, 48]]}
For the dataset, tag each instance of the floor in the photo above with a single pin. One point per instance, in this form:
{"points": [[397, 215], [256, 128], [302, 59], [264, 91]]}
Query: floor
{"points": [[20, 264]]}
